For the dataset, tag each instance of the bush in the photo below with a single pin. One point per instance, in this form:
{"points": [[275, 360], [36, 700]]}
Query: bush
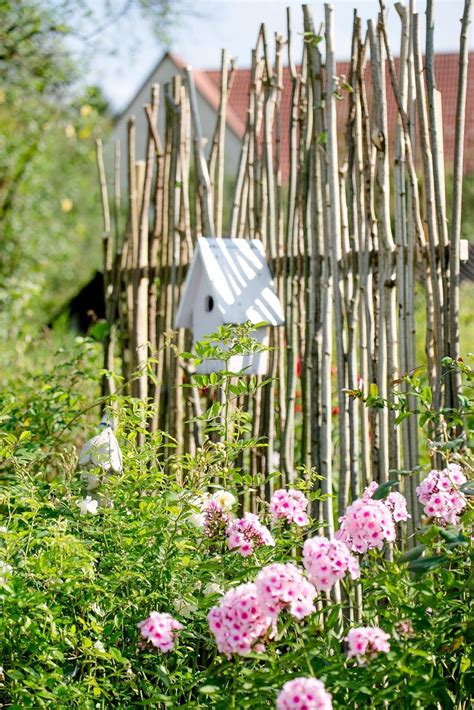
{"points": [[75, 585]]}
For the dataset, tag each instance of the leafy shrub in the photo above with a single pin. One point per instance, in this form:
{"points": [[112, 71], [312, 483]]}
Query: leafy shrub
{"points": [[75, 586]]}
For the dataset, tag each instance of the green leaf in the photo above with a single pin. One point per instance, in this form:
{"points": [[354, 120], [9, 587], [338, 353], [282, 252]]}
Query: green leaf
{"points": [[452, 535], [413, 554], [209, 689], [99, 330], [373, 390], [454, 444], [426, 396], [384, 489], [427, 564], [467, 488], [401, 417]]}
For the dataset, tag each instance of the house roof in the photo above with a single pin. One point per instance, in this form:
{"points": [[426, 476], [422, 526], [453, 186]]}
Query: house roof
{"points": [[446, 71], [239, 282]]}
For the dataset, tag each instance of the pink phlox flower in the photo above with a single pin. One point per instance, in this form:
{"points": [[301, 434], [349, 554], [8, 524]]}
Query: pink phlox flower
{"points": [[397, 505], [161, 630], [455, 473], [247, 533], [283, 586], [366, 525], [370, 490], [290, 505], [365, 642], [238, 622], [304, 694], [216, 518], [405, 629], [395, 502], [439, 494], [328, 561]]}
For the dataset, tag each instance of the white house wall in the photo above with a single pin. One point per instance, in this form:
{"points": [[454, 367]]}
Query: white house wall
{"points": [[164, 74]]}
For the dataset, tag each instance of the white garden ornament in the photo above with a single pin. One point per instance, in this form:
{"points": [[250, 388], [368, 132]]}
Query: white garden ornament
{"points": [[88, 505], [102, 451], [229, 282]]}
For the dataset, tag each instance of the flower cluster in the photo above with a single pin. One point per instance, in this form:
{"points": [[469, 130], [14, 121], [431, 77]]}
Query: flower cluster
{"points": [[440, 496], [366, 641], [239, 622], [290, 505], [328, 561], [247, 533], [368, 523], [304, 694], [216, 519], [395, 502], [161, 630], [405, 629], [283, 586], [244, 615], [225, 499], [214, 514], [212, 588], [397, 505]]}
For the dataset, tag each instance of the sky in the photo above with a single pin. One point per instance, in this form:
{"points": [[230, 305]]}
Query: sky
{"points": [[207, 26]]}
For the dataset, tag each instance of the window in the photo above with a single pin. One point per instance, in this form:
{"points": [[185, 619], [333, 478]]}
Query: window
{"points": [[209, 304]]}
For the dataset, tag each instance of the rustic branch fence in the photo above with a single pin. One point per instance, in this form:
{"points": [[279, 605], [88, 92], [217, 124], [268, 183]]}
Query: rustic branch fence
{"points": [[344, 237]]}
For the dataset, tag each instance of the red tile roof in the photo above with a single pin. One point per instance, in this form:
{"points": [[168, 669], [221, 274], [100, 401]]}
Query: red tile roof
{"points": [[446, 71]]}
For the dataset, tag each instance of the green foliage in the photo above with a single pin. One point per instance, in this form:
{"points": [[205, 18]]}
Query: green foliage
{"points": [[450, 428], [48, 178], [78, 585]]}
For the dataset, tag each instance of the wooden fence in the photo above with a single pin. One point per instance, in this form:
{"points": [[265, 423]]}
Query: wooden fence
{"points": [[343, 236]]}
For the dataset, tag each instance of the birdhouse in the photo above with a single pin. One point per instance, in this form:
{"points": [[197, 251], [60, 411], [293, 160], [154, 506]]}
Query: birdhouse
{"points": [[229, 282]]}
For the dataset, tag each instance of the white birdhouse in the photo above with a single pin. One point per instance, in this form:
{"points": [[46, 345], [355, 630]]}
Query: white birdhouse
{"points": [[229, 282]]}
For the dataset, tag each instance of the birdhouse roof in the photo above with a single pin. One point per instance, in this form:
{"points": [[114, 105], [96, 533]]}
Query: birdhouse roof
{"points": [[238, 279]]}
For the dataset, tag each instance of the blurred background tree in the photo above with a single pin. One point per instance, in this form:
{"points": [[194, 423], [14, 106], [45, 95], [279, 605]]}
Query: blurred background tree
{"points": [[50, 222]]}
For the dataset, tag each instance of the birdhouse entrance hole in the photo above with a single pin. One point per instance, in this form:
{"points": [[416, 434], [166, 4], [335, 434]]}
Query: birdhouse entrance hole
{"points": [[209, 304]]}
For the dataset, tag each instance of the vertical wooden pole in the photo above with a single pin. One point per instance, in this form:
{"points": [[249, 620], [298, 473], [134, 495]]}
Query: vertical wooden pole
{"points": [[457, 194], [355, 210], [132, 243], [436, 138], [142, 264], [108, 383], [217, 157], [202, 172], [333, 246], [290, 254], [430, 207]]}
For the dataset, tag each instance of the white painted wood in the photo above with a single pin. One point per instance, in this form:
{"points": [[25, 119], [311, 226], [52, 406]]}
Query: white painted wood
{"points": [[229, 282], [238, 279]]}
